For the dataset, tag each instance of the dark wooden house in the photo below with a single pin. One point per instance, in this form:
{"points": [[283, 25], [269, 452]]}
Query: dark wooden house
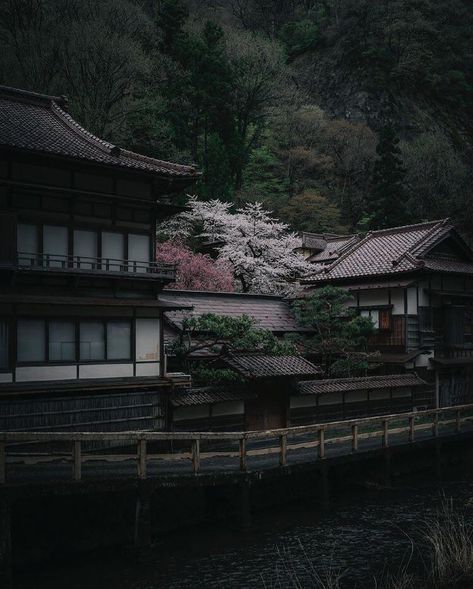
{"points": [[81, 321], [415, 283]]}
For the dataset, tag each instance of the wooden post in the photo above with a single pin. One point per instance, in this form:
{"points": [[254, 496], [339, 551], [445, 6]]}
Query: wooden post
{"points": [[354, 441], [435, 425], [3, 464], [282, 452], [411, 428], [195, 456], [458, 424], [437, 389], [242, 454], [385, 433], [321, 435], [142, 459], [76, 460]]}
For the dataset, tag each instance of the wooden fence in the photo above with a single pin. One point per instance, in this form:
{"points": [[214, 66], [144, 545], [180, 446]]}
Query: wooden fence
{"points": [[231, 447]]}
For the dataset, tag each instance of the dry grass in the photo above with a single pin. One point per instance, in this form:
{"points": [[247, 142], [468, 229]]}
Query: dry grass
{"points": [[449, 539], [445, 546]]}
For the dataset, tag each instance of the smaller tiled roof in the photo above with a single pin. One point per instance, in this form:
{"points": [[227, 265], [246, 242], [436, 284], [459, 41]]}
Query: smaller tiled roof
{"points": [[261, 366], [40, 123], [334, 248], [394, 358], [338, 385], [269, 311], [205, 396]]}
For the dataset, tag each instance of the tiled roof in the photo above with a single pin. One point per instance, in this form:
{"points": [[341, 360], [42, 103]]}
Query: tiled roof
{"points": [[393, 358], [336, 385], [261, 366], [270, 312], [40, 123], [204, 396], [391, 251], [334, 248]]}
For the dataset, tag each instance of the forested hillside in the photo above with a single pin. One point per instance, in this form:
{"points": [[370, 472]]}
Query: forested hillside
{"points": [[337, 114]]}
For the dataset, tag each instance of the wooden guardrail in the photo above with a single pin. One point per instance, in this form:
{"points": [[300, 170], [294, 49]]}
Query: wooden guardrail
{"points": [[359, 429]]}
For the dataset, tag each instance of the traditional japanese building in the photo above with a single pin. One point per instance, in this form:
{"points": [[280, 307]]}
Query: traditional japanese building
{"points": [[415, 283], [81, 336]]}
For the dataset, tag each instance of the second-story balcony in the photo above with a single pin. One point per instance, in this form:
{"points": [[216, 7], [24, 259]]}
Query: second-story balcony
{"points": [[85, 265]]}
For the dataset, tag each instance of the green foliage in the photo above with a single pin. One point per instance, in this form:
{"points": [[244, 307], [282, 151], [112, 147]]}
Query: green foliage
{"points": [[298, 37], [387, 201], [180, 80], [220, 334], [264, 179], [311, 211], [340, 335], [215, 376]]}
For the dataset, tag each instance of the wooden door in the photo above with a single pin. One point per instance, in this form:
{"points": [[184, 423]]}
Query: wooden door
{"points": [[268, 411]]}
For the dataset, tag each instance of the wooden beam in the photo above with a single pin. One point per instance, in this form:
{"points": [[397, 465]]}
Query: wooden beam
{"points": [[142, 459], [385, 433], [195, 456], [242, 454], [354, 442], [321, 446], [282, 451], [411, 428]]}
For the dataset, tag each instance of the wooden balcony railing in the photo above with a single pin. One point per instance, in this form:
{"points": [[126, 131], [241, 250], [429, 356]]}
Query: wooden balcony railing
{"points": [[71, 263], [224, 451]]}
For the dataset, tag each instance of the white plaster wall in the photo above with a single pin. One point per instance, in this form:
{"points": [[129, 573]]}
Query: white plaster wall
{"points": [[40, 373], [330, 399], [6, 377], [397, 301], [423, 360], [105, 370], [147, 340], [303, 401], [356, 396], [228, 408], [423, 295], [412, 300], [147, 369], [374, 297]]}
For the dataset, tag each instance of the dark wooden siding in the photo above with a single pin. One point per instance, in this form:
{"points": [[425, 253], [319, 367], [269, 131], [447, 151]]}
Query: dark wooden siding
{"points": [[100, 412]]}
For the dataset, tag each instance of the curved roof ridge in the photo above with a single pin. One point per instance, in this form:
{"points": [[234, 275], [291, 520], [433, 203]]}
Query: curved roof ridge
{"points": [[153, 160], [28, 94], [407, 227], [72, 124], [423, 241]]}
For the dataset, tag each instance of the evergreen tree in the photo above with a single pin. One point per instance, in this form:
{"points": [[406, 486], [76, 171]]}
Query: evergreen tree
{"points": [[387, 200]]}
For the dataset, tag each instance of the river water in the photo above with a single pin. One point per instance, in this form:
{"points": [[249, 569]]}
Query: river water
{"points": [[360, 536]]}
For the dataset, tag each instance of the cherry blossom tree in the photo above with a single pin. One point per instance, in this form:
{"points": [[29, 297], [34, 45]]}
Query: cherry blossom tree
{"points": [[195, 271], [260, 250]]}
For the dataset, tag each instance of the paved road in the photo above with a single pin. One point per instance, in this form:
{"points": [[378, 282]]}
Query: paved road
{"points": [[114, 466]]}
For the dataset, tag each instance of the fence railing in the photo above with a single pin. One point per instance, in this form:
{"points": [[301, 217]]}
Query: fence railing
{"points": [[344, 437], [69, 262]]}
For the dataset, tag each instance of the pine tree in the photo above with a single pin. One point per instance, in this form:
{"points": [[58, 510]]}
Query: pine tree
{"points": [[387, 200]]}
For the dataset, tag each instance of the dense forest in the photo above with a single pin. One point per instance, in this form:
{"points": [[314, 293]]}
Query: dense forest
{"points": [[336, 114]]}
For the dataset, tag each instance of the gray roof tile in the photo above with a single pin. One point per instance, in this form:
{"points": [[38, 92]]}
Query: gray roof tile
{"points": [[335, 385], [261, 366], [39, 123]]}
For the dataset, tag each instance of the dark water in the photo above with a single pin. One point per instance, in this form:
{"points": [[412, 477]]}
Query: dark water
{"points": [[361, 535]]}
